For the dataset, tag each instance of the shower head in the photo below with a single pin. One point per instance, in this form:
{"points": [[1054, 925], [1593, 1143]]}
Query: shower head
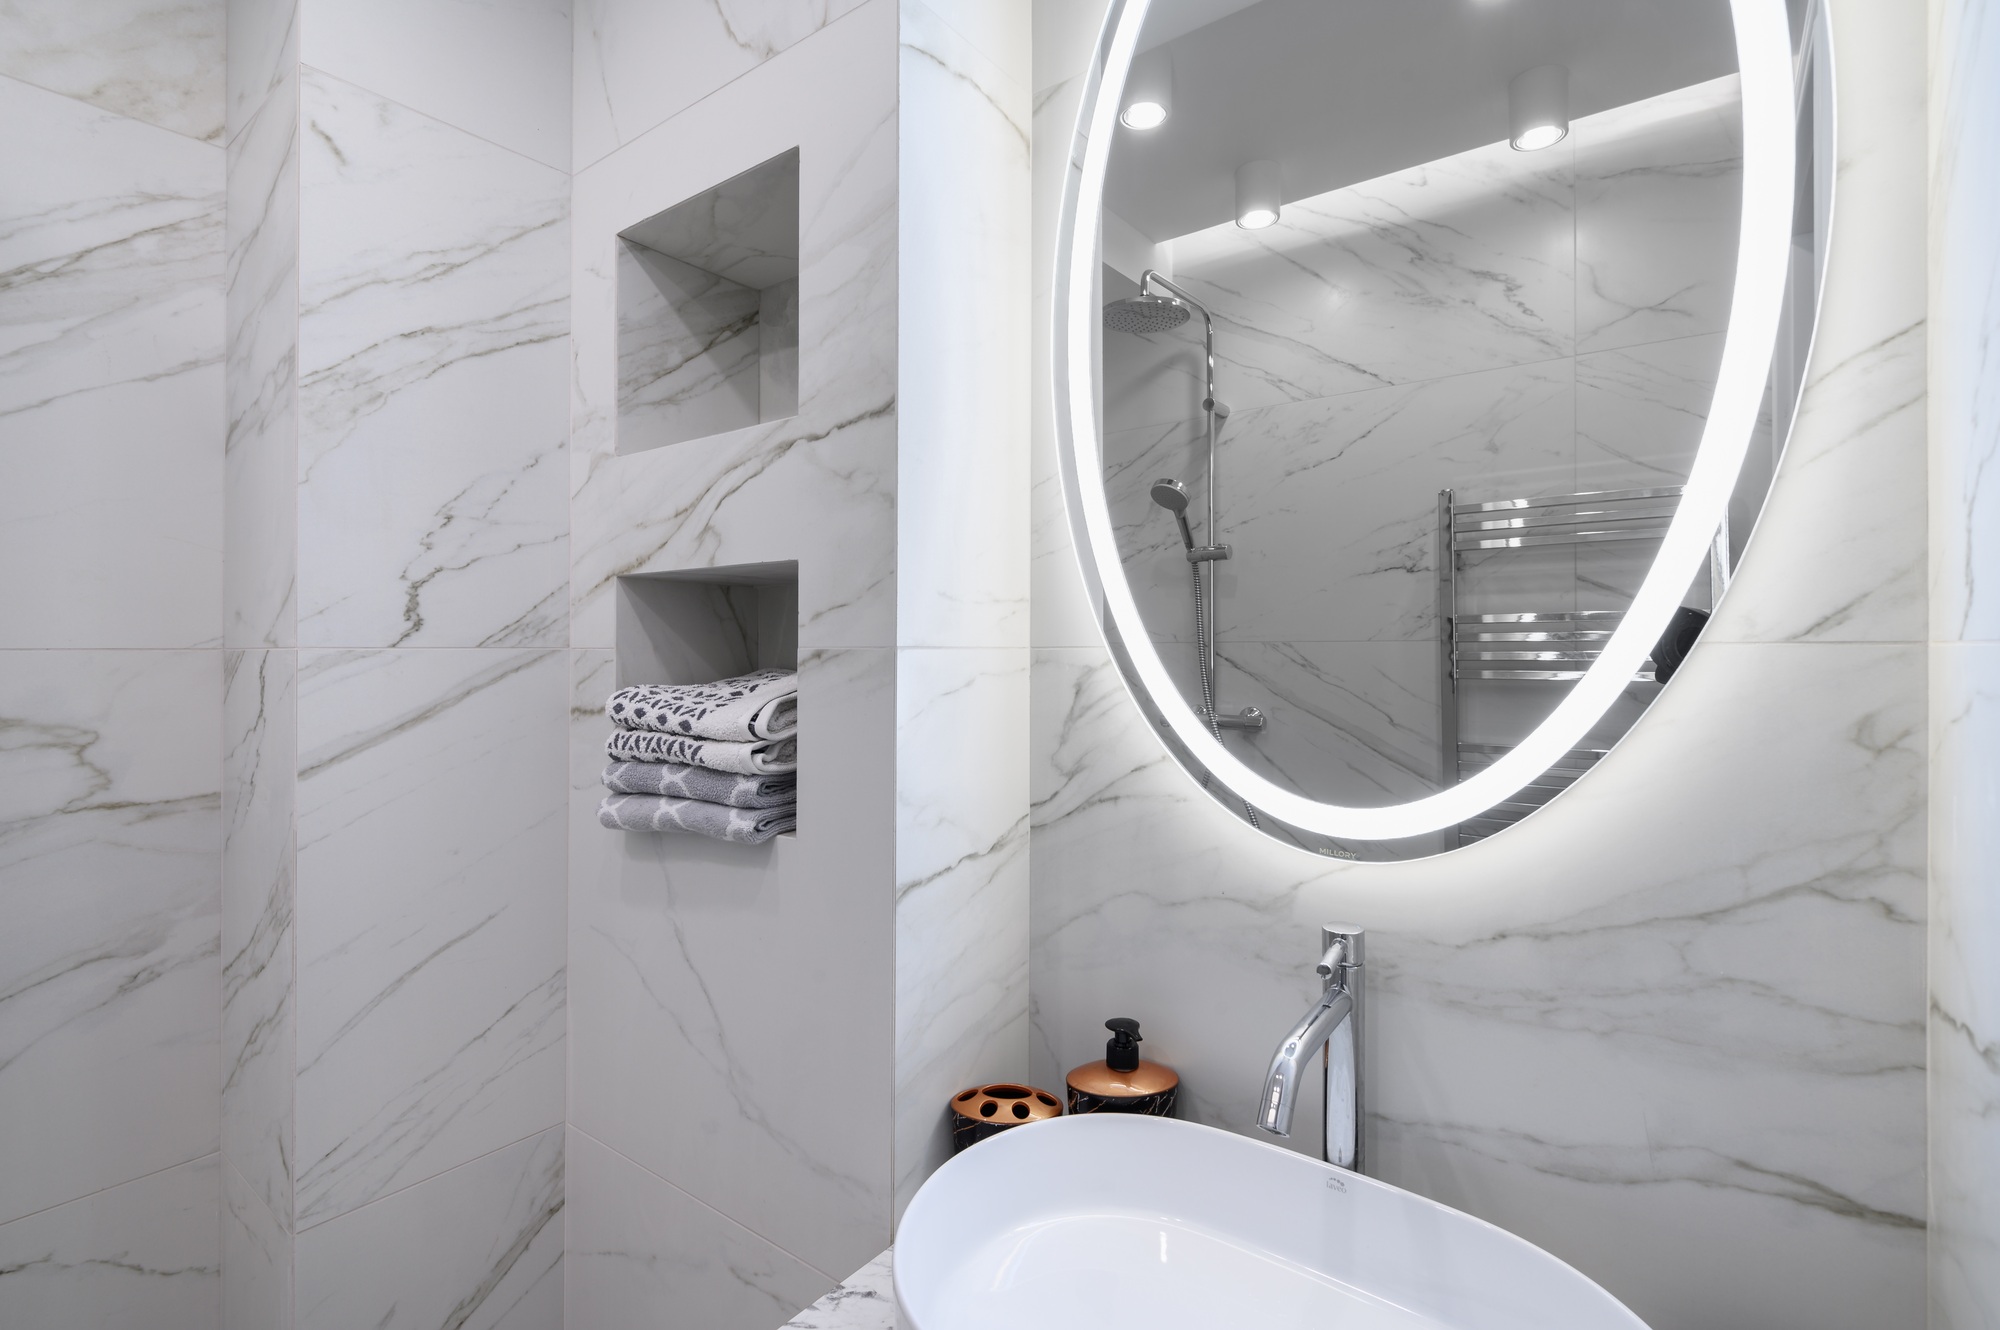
{"points": [[1173, 496], [1146, 314]]}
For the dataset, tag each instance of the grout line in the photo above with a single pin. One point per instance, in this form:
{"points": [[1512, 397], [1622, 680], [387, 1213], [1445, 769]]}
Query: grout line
{"points": [[221, 141], [434, 119], [208, 1154], [734, 1223], [408, 1186]]}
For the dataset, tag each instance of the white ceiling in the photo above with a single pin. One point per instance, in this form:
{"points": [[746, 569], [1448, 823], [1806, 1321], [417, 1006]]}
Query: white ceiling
{"points": [[1339, 91]]}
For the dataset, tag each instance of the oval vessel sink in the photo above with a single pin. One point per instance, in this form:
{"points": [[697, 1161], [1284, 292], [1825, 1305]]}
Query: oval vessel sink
{"points": [[1121, 1222]]}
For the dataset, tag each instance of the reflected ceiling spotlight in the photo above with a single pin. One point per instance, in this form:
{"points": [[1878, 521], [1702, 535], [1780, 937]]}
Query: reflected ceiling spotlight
{"points": [[1149, 91], [1260, 189], [1538, 108]]}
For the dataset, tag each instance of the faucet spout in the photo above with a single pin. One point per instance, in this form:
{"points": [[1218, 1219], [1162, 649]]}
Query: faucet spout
{"points": [[1295, 1050], [1333, 1023]]}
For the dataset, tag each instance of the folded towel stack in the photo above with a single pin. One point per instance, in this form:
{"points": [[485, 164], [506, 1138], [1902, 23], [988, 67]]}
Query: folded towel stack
{"points": [[717, 759]]}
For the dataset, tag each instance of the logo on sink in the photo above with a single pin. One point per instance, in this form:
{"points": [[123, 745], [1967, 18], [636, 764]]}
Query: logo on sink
{"points": [[1335, 1184]]}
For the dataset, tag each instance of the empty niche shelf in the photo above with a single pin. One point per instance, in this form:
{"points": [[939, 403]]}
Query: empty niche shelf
{"points": [[701, 624], [708, 311]]}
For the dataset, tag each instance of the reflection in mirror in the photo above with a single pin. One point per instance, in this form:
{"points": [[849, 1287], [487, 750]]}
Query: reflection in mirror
{"points": [[1412, 314]]}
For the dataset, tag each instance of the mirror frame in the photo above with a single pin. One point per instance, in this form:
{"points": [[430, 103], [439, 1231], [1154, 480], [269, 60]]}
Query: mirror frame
{"points": [[1765, 66]]}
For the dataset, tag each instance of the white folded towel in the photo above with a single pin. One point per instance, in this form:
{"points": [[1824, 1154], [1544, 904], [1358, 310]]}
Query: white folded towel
{"points": [[763, 704], [769, 757]]}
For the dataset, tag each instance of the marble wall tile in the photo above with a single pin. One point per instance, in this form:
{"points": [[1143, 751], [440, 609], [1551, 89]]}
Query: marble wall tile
{"points": [[430, 488], [1964, 311], [1659, 189], [865, 1300], [1737, 1081], [479, 1247], [159, 61], [731, 1006], [141, 1256], [1965, 986], [500, 71], [818, 486], [641, 1251], [430, 955], [263, 50], [111, 237], [259, 860], [1839, 552], [260, 464], [1453, 266], [962, 408], [109, 840], [636, 64], [961, 890], [256, 1260], [689, 362]]}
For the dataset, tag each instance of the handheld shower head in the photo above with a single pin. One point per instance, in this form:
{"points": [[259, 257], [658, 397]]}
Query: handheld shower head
{"points": [[1171, 495]]}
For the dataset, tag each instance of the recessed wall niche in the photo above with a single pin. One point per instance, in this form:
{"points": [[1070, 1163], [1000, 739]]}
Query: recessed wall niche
{"points": [[700, 624], [708, 311]]}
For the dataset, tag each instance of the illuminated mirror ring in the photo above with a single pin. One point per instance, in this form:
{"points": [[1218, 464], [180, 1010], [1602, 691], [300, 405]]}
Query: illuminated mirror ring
{"points": [[1764, 58]]}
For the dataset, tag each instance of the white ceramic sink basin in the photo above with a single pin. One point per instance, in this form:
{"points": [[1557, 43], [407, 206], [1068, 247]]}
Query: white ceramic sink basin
{"points": [[1120, 1222]]}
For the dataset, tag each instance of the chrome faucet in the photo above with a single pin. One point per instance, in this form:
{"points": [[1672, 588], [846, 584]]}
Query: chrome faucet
{"points": [[1333, 1023]]}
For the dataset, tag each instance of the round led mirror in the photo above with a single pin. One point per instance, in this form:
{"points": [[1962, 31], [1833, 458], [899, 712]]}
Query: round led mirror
{"points": [[1420, 371]]}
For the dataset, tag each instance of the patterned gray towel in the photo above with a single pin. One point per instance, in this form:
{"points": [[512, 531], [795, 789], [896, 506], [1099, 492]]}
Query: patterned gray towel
{"points": [[763, 704], [651, 812], [772, 757], [716, 787]]}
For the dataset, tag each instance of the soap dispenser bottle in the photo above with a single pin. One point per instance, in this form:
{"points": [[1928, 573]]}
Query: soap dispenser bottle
{"points": [[1123, 1082]]}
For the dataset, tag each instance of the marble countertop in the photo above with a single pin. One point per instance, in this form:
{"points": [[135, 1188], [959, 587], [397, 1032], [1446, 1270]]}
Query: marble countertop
{"points": [[867, 1301]]}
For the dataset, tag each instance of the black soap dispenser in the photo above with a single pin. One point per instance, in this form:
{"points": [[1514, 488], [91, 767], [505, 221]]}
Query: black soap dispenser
{"points": [[1124, 1082]]}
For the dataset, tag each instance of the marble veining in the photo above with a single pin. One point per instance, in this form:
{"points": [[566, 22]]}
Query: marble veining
{"points": [[259, 903], [260, 458], [158, 61], [111, 253], [256, 1260], [109, 832], [430, 953], [688, 351], [478, 1247], [430, 483], [140, 1256], [637, 1244], [866, 1300]]}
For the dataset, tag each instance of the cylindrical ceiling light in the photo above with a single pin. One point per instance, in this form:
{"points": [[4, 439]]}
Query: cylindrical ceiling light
{"points": [[1538, 108], [1260, 189], [1149, 91]]}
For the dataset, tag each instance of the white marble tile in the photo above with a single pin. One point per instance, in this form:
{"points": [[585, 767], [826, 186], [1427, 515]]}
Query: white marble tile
{"points": [[689, 362], [1658, 209], [866, 1300], [260, 465], [109, 981], [478, 1247], [731, 1006], [159, 61], [263, 42], [1453, 266], [962, 397], [431, 381], [430, 952], [259, 860], [641, 1251], [961, 890], [1735, 1080], [1839, 553], [110, 378], [496, 68], [256, 1260], [141, 1256], [1964, 985], [639, 62], [1348, 722], [819, 486]]}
